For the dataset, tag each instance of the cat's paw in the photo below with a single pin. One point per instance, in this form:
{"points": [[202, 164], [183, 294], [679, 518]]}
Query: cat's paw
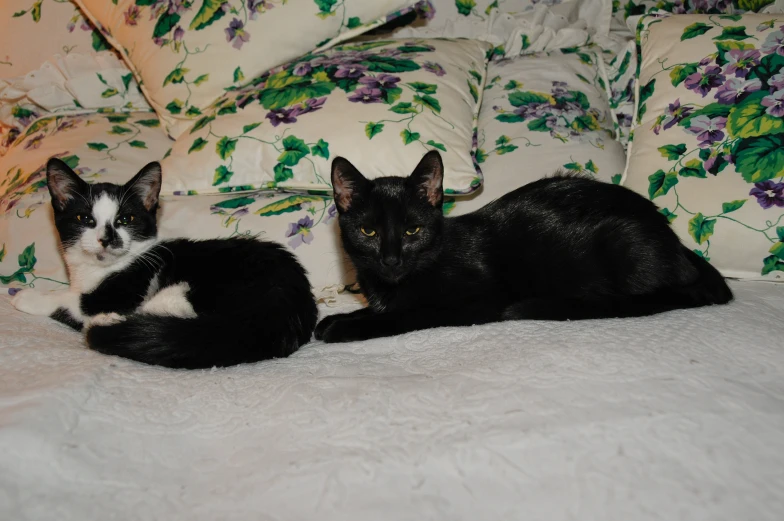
{"points": [[104, 319], [33, 302], [345, 331], [324, 324]]}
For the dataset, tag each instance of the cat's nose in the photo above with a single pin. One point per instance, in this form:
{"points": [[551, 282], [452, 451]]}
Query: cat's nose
{"points": [[392, 261], [105, 241]]}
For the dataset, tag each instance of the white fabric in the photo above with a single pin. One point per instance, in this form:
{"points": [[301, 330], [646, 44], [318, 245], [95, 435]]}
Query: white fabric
{"points": [[93, 80], [677, 416], [545, 27]]}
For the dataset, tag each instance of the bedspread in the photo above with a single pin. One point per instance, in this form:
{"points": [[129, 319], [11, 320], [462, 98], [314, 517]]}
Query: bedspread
{"points": [[676, 416]]}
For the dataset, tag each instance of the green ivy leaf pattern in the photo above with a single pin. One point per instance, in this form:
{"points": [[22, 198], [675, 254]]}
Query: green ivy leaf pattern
{"points": [[320, 149], [222, 175], [694, 30], [294, 150], [732, 205], [282, 173], [660, 183], [209, 13], [439, 146], [673, 152], [409, 137], [371, 129], [197, 145], [760, 158], [464, 7], [693, 168], [701, 228], [732, 33], [668, 214], [149, 123], [225, 147], [287, 205]]}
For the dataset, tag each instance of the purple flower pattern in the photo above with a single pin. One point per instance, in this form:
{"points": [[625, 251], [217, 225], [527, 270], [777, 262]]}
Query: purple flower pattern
{"points": [[703, 82], [734, 88], [434, 68], [366, 95], [774, 104], [707, 130], [740, 62], [300, 232], [769, 193], [236, 34]]}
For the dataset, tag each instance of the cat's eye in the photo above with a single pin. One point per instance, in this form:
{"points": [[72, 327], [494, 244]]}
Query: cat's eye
{"points": [[83, 218], [124, 220], [369, 232], [413, 231]]}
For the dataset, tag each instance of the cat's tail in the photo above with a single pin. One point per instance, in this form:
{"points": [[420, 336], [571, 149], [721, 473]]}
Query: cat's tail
{"points": [[204, 341], [708, 288]]}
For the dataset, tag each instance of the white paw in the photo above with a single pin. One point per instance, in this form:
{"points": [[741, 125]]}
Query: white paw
{"points": [[105, 319], [33, 302]]}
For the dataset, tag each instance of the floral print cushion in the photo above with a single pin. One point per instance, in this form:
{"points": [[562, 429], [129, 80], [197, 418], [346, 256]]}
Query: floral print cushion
{"points": [[52, 60], [543, 113], [708, 144], [55, 27], [101, 147], [627, 8], [382, 104], [186, 52], [92, 144]]}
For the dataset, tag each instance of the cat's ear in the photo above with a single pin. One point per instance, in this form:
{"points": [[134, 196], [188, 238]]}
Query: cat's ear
{"points": [[147, 185], [347, 183], [64, 184], [428, 178]]}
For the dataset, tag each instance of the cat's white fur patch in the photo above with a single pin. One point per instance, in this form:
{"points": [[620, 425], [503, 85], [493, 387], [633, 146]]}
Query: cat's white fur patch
{"points": [[104, 319], [105, 210], [85, 271], [44, 303], [170, 301]]}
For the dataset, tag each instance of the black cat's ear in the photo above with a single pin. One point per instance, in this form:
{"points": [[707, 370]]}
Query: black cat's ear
{"points": [[147, 185], [428, 178], [347, 183], [64, 184]]}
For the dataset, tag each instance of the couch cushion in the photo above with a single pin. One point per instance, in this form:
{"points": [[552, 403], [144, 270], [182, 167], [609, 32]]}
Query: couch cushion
{"points": [[380, 104], [708, 143], [187, 53]]}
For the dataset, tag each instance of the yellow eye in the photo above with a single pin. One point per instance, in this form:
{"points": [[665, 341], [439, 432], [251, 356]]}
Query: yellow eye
{"points": [[79, 218], [82, 218], [369, 232], [412, 231], [124, 219]]}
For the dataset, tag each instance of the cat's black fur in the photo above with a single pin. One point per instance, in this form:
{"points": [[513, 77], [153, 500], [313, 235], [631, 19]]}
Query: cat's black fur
{"points": [[561, 248], [252, 299]]}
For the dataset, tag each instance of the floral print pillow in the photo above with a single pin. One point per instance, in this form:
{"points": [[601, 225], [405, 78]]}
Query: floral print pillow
{"points": [[542, 113], [187, 52], [35, 30], [52, 60], [624, 9], [381, 104], [708, 146]]}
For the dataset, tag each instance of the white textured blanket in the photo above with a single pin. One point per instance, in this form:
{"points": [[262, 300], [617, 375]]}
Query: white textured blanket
{"points": [[678, 416]]}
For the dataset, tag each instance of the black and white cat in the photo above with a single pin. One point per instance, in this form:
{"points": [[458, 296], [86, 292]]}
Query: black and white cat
{"points": [[561, 248], [176, 303]]}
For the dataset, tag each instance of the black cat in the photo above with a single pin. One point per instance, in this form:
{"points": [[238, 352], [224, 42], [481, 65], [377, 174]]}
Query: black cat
{"points": [[561, 248], [176, 303]]}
